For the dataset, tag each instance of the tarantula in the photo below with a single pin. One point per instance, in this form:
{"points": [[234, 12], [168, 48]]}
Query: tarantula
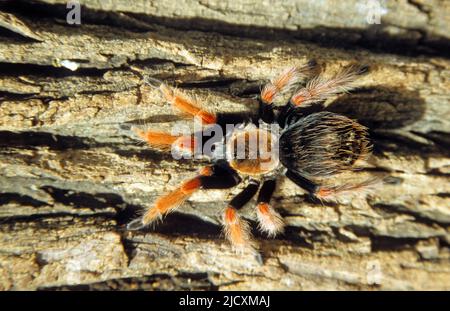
{"points": [[311, 143]]}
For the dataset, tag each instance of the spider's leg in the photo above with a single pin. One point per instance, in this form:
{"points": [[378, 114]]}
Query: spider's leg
{"points": [[269, 220], [266, 113], [165, 141], [319, 89], [178, 100], [333, 193], [290, 113], [187, 105], [283, 83], [302, 182], [233, 118], [236, 229], [210, 177]]}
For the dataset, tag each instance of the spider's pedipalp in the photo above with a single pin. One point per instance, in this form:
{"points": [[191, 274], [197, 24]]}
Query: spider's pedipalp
{"points": [[319, 89], [285, 81], [187, 105]]}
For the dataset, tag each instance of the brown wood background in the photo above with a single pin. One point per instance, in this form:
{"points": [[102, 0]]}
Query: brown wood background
{"points": [[72, 174]]}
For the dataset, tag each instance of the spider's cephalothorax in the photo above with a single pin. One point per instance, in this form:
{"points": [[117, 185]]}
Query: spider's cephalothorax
{"points": [[305, 143], [252, 151]]}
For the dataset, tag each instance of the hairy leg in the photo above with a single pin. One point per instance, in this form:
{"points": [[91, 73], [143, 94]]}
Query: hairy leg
{"points": [[187, 105], [269, 220], [319, 89], [302, 182], [236, 229], [283, 83], [213, 177], [165, 141], [332, 193]]}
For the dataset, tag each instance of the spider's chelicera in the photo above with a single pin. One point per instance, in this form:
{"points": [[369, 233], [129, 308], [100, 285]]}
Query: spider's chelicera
{"points": [[298, 140]]}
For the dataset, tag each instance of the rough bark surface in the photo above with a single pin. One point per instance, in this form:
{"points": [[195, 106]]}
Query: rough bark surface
{"points": [[72, 174]]}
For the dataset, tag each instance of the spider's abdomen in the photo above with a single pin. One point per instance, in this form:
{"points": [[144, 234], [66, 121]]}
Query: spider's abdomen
{"points": [[323, 143]]}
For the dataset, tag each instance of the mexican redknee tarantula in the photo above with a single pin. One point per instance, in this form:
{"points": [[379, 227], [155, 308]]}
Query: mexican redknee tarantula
{"points": [[311, 143]]}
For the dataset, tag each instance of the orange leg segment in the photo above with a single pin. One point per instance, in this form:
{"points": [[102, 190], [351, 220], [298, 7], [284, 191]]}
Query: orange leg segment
{"points": [[165, 141], [285, 81], [172, 200], [186, 105], [319, 89], [237, 230], [334, 193], [209, 177]]}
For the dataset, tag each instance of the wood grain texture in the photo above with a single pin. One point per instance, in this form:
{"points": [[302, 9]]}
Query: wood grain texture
{"points": [[72, 174]]}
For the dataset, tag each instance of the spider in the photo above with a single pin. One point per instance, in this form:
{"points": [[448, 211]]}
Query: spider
{"points": [[311, 143]]}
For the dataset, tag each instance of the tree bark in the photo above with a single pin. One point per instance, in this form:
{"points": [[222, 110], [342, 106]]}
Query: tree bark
{"points": [[72, 174]]}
